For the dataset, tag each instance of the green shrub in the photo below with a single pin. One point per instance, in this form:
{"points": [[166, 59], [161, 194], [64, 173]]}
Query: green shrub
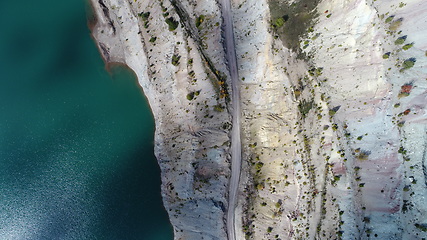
{"points": [[402, 150], [400, 40], [259, 165], [315, 72], [279, 22], [190, 96], [192, 74], [389, 19], [175, 60], [363, 155], [386, 55], [218, 108], [422, 227], [172, 23], [334, 126], [144, 15], [408, 63], [407, 46], [406, 188], [334, 110], [153, 39], [403, 94], [200, 19], [396, 24]]}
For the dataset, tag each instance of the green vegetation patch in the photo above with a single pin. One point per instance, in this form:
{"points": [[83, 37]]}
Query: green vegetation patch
{"points": [[291, 22], [175, 59], [363, 155], [386, 55], [191, 95], [305, 106], [281, 21], [200, 19], [144, 15], [407, 46], [172, 23], [389, 19], [219, 108], [396, 24], [401, 123], [408, 63], [334, 110], [315, 72], [400, 40], [259, 165], [422, 227], [402, 150]]}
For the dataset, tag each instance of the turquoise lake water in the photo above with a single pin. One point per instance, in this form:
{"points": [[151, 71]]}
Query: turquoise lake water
{"points": [[76, 143]]}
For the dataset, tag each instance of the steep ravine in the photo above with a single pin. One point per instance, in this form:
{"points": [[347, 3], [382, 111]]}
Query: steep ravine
{"points": [[333, 97]]}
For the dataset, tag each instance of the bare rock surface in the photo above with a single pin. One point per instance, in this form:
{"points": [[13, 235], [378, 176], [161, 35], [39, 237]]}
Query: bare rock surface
{"points": [[333, 97]]}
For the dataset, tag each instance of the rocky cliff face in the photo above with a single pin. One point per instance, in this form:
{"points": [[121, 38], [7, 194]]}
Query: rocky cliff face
{"points": [[180, 65], [333, 113]]}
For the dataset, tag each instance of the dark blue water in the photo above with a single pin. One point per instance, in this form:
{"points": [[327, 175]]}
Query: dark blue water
{"points": [[76, 143]]}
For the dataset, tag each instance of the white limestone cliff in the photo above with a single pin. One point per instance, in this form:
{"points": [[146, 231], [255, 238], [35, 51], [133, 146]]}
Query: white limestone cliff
{"points": [[333, 113]]}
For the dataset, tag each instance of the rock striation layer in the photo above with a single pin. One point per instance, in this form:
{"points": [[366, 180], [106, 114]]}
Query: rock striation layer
{"points": [[333, 97]]}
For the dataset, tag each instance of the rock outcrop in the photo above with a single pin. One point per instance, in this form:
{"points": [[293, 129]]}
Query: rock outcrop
{"points": [[333, 98]]}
